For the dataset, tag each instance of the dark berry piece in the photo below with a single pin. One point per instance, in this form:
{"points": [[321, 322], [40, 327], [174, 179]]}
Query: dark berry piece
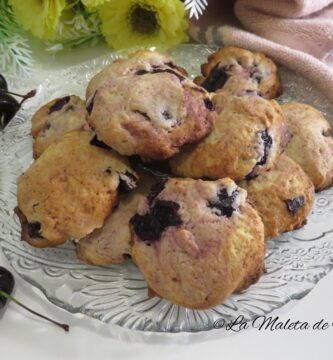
{"points": [[268, 142], [141, 72], [156, 189], [166, 115], [127, 182], [145, 115], [146, 227], [95, 142], [151, 225], [3, 83], [157, 70], [90, 105], [108, 171], [8, 108], [216, 78], [156, 168], [294, 204], [251, 175], [59, 104], [209, 104], [34, 229], [225, 205]]}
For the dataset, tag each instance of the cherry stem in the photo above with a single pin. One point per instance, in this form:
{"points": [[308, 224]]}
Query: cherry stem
{"points": [[9, 297], [29, 95]]}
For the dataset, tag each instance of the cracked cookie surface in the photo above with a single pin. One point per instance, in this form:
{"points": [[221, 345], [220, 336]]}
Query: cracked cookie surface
{"points": [[283, 196], [69, 190], [55, 119], [197, 241], [150, 113], [311, 145], [248, 134], [237, 70]]}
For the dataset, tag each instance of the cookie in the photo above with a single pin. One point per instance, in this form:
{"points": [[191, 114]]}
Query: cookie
{"points": [[236, 70], [283, 197], [197, 241], [55, 119], [248, 134], [142, 60], [311, 145], [150, 113], [70, 190], [111, 244]]}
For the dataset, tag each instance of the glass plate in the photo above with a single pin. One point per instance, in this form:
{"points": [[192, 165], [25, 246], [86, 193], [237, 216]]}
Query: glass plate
{"points": [[295, 261]]}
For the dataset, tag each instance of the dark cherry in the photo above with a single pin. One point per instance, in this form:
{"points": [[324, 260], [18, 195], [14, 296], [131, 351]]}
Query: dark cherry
{"points": [[294, 204], [225, 203], [8, 108], [268, 142], [158, 70], [145, 115], [95, 142], [150, 226], [90, 105], [216, 78], [128, 181], [156, 168], [156, 189], [34, 229], [59, 104], [3, 83], [7, 283], [209, 104], [166, 115]]}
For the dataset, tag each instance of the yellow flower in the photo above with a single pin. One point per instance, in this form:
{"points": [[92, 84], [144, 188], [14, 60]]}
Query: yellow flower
{"points": [[40, 17], [128, 23], [91, 5]]}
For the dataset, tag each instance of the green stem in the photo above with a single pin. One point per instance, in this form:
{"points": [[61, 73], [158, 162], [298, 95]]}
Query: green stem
{"points": [[9, 297]]}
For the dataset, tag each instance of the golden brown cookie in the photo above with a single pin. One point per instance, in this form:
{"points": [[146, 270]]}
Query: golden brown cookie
{"points": [[70, 190], [248, 134], [237, 70], [283, 197], [150, 113], [111, 243], [55, 119], [142, 60], [311, 145], [197, 241]]}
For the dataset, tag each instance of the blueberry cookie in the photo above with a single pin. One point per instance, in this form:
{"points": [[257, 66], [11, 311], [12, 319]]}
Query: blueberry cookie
{"points": [[140, 61], [70, 190], [236, 70], [150, 113], [311, 145], [197, 241], [248, 134], [56, 118], [111, 243], [283, 197]]}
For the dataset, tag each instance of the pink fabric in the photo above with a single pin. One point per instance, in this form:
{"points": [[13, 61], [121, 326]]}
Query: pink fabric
{"points": [[296, 33]]}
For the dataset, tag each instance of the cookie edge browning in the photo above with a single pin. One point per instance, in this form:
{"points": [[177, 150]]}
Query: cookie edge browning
{"points": [[309, 196], [326, 179], [35, 242]]}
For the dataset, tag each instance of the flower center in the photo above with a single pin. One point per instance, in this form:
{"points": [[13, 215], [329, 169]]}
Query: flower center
{"points": [[143, 20]]}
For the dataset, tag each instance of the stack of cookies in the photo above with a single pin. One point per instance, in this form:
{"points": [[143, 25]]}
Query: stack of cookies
{"points": [[237, 169]]}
